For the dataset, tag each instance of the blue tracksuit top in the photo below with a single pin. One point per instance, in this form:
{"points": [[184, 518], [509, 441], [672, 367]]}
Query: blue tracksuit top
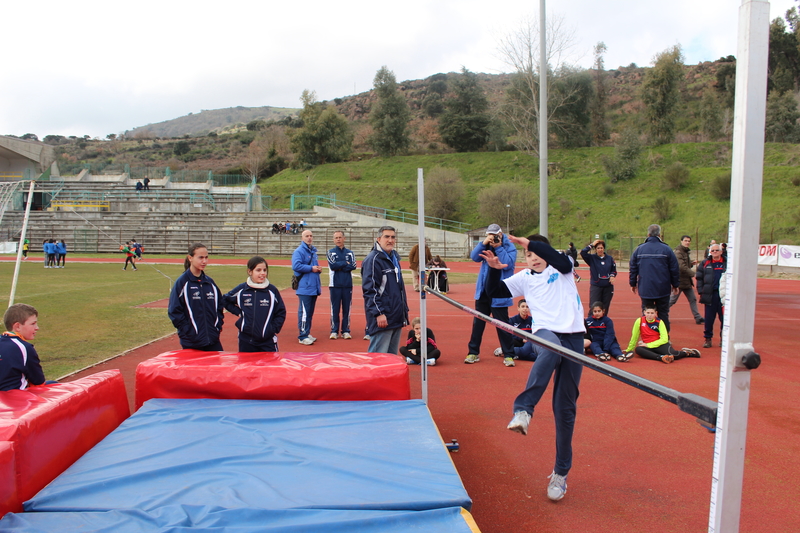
{"points": [[600, 269], [507, 253], [384, 291], [341, 263], [261, 311], [195, 308], [601, 331], [303, 259], [19, 363], [61, 248], [654, 269]]}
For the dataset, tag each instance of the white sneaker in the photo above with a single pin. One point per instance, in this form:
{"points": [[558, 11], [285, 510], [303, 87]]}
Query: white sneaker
{"points": [[313, 339], [307, 341], [430, 362], [367, 337], [557, 487], [410, 361], [498, 352], [334, 336], [520, 422], [346, 335]]}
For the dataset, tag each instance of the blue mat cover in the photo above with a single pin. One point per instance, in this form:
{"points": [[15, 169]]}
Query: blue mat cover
{"points": [[174, 519], [247, 454]]}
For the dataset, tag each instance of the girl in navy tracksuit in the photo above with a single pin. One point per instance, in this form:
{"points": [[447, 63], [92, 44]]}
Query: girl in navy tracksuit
{"points": [[604, 343], [195, 304], [260, 309]]}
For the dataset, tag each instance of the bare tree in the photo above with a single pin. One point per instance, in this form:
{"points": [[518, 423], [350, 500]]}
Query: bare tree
{"points": [[520, 50], [523, 205]]}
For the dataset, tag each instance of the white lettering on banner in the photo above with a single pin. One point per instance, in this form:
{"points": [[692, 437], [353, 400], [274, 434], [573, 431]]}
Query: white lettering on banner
{"points": [[767, 254]]}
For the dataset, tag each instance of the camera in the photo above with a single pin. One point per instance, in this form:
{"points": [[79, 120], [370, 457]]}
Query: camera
{"points": [[496, 239]]}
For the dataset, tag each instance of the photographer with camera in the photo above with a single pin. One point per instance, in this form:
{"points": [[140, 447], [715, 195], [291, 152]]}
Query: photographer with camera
{"points": [[497, 243]]}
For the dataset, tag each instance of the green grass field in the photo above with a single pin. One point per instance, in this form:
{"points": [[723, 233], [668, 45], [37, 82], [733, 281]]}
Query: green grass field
{"points": [[89, 311]]}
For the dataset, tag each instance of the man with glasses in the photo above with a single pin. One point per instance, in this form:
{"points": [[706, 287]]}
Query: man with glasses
{"points": [[708, 276], [385, 303]]}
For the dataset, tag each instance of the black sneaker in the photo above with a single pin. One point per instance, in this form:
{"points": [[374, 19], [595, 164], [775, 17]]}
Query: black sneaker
{"points": [[700, 320]]}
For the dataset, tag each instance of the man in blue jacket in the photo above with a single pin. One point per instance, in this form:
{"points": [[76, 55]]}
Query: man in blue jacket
{"points": [[385, 303], [306, 264], [654, 273], [341, 263], [499, 245]]}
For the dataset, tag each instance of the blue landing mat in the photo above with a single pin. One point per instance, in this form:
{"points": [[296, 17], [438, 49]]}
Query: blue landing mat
{"points": [[175, 519], [275, 455]]}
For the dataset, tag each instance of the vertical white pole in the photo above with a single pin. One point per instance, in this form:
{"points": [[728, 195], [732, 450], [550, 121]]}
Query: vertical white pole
{"points": [[21, 241], [423, 311], [743, 237], [542, 121]]}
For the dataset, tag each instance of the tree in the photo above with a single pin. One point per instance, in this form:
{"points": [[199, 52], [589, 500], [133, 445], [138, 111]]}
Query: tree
{"points": [[572, 120], [111, 136], [325, 136], [389, 117], [660, 92], [710, 116], [784, 55], [599, 124], [181, 148], [781, 118], [444, 190], [624, 164], [524, 209], [464, 126], [520, 50], [433, 103]]}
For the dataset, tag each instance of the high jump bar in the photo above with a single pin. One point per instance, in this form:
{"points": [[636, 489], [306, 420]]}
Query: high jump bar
{"points": [[697, 406]]}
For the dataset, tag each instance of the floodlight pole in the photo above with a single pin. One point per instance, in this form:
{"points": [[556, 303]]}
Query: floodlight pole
{"points": [[21, 244], [423, 311], [542, 120], [738, 356]]}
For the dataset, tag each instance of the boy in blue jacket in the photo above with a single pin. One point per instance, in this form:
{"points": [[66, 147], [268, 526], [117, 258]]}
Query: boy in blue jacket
{"points": [[19, 362]]}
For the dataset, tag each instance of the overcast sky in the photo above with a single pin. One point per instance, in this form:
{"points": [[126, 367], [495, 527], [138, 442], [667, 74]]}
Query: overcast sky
{"points": [[100, 67]]}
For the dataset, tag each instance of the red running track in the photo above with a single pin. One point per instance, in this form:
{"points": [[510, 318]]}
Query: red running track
{"points": [[639, 465]]}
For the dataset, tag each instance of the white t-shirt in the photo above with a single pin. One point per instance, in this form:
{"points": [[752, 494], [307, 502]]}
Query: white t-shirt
{"points": [[552, 298]]}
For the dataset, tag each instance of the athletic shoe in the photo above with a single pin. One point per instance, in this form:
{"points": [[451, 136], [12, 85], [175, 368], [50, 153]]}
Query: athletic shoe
{"points": [[135, 269], [509, 361], [122, 269], [334, 336], [430, 362], [307, 341], [707, 343], [367, 337], [346, 335], [472, 358], [700, 320], [557, 487], [520, 422], [666, 359], [691, 352], [313, 339], [498, 352], [410, 361]]}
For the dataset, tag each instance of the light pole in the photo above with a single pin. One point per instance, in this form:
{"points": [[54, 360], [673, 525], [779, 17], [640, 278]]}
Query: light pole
{"points": [[508, 216]]}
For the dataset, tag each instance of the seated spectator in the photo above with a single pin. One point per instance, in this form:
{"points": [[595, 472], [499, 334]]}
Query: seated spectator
{"points": [[603, 340], [139, 186], [437, 275], [655, 339], [412, 349], [19, 362], [275, 228], [523, 349]]}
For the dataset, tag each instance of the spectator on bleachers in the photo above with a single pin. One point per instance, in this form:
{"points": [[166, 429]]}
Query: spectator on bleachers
{"points": [[139, 186]]}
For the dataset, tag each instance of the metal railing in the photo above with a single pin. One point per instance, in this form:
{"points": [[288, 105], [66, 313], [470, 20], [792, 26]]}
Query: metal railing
{"points": [[305, 203]]}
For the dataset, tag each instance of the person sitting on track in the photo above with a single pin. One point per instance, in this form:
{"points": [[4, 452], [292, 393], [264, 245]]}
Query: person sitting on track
{"points": [[413, 348], [655, 339], [603, 339]]}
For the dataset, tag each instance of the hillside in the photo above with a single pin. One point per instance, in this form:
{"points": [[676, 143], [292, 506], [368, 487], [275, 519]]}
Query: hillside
{"points": [[582, 200], [206, 121]]}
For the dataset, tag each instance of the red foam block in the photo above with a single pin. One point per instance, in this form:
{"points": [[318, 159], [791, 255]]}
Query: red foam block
{"points": [[273, 376], [8, 481], [51, 426]]}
